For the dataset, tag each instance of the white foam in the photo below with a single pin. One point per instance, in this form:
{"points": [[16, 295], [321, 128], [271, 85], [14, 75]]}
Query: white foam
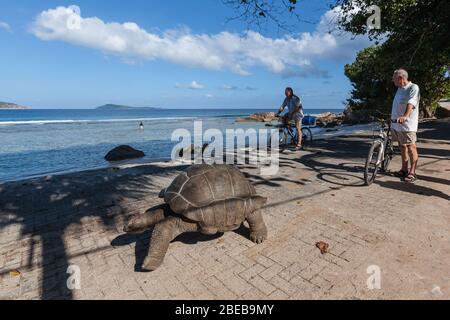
{"points": [[42, 122]]}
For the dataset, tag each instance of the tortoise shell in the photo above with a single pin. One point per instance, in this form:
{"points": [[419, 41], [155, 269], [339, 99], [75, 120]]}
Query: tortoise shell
{"points": [[204, 185]]}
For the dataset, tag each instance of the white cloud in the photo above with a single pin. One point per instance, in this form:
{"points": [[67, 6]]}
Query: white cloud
{"points": [[209, 96], [223, 51], [194, 85], [234, 88], [5, 26], [228, 87]]}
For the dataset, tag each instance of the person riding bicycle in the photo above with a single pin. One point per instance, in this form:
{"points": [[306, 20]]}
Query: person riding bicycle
{"points": [[295, 112]]}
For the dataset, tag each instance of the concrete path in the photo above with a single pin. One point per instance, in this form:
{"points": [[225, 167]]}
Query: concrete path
{"points": [[387, 241]]}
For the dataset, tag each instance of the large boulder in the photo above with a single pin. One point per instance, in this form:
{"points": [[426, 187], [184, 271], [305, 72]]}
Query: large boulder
{"points": [[259, 117], [124, 153], [443, 111]]}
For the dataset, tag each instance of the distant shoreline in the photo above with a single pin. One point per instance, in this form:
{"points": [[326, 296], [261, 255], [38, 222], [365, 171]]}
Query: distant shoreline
{"points": [[12, 106], [337, 110], [123, 107]]}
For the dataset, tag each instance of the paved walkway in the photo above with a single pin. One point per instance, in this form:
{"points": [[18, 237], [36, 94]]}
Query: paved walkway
{"points": [[400, 230]]}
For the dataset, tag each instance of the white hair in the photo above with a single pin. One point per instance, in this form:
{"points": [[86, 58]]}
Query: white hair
{"points": [[401, 73]]}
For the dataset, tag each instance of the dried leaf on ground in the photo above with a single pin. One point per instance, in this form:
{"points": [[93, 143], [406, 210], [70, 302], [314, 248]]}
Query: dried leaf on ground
{"points": [[323, 246], [14, 273]]}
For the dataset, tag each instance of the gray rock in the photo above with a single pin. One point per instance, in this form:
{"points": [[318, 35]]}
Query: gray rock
{"points": [[124, 153], [259, 117]]}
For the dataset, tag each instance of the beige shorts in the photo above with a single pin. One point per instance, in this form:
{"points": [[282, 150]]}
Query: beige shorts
{"points": [[404, 137]]}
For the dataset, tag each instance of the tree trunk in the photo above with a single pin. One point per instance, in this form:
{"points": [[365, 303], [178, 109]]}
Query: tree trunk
{"points": [[427, 111]]}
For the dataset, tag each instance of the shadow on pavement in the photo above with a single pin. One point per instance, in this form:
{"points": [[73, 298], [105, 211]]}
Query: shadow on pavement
{"points": [[142, 241], [413, 188], [45, 208]]}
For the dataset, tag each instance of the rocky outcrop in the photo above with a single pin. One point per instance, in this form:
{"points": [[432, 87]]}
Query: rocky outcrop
{"points": [[124, 153], [443, 111], [329, 120], [259, 117]]}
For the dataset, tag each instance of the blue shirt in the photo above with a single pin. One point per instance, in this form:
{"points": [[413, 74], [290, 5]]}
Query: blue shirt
{"points": [[292, 104]]}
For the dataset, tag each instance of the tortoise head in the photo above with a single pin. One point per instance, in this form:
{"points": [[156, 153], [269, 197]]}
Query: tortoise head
{"points": [[162, 193]]}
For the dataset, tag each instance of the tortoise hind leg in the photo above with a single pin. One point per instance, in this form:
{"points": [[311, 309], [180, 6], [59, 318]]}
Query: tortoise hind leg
{"points": [[258, 229], [140, 222], [163, 234], [208, 230]]}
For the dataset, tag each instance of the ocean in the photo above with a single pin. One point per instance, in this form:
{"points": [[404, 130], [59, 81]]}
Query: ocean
{"points": [[44, 142]]}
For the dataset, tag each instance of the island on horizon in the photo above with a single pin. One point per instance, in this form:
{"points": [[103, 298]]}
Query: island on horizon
{"points": [[10, 106], [122, 107]]}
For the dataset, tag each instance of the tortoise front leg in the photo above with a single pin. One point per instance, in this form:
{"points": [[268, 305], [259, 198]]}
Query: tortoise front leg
{"points": [[163, 234], [258, 229], [141, 222]]}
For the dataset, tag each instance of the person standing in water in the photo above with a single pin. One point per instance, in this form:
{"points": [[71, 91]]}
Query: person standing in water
{"points": [[141, 126]]}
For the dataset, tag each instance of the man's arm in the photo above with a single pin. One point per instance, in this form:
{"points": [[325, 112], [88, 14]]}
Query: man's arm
{"points": [[283, 106], [407, 114], [413, 103]]}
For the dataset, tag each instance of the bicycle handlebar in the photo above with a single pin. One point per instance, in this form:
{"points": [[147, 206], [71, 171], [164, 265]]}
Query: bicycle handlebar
{"points": [[385, 115]]}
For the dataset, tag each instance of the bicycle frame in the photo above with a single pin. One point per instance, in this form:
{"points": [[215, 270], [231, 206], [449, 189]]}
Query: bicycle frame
{"points": [[287, 128], [381, 155], [383, 136], [383, 147]]}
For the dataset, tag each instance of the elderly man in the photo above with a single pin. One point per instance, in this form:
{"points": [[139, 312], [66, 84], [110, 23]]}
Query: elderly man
{"points": [[405, 111], [295, 107]]}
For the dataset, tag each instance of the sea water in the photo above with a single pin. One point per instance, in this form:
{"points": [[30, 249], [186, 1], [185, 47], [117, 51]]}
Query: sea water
{"points": [[42, 142]]}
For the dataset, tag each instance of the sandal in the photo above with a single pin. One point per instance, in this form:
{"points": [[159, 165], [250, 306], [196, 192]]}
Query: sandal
{"points": [[299, 147], [401, 174], [411, 178]]}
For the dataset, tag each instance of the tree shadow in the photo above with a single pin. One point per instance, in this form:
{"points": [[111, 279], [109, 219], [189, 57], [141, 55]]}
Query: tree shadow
{"points": [[434, 179], [413, 188], [143, 240], [435, 130], [272, 182], [45, 208], [433, 153], [339, 161]]}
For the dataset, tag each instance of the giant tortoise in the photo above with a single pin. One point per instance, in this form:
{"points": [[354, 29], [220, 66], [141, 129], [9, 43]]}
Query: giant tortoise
{"points": [[206, 198]]}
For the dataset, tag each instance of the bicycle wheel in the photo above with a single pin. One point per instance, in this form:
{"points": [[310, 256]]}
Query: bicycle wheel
{"points": [[307, 137], [372, 163], [283, 140], [388, 156]]}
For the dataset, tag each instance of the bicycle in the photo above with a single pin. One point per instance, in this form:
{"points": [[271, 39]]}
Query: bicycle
{"points": [[288, 135], [381, 153]]}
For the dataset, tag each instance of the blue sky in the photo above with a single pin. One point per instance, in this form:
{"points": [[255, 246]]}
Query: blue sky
{"points": [[177, 54]]}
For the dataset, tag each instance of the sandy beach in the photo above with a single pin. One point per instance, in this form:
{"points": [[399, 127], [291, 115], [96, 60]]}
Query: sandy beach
{"points": [[50, 223]]}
